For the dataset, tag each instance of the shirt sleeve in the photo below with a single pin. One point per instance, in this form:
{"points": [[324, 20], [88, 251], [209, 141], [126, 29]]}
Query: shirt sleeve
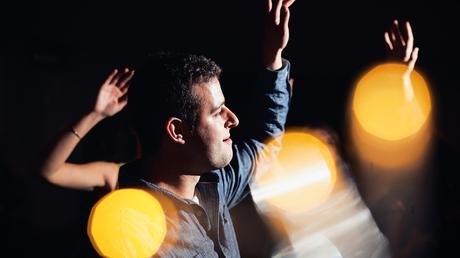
{"points": [[271, 109]]}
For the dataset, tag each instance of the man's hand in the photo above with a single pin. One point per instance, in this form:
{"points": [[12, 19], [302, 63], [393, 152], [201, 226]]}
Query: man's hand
{"points": [[276, 32], [401, 45], [112, 96]]}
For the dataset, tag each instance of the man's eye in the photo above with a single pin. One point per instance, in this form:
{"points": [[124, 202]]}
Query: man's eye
{"points": [[218, 112]]}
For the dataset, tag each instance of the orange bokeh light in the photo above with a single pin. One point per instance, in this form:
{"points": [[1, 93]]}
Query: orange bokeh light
{"points": [[301, 177], [390, 118]]}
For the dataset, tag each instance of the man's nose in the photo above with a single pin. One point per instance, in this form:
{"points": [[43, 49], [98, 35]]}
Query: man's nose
{"points": [[232, 119]]}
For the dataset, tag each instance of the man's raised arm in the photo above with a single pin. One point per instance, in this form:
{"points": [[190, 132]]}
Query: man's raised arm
{"points": [[270, 107]]}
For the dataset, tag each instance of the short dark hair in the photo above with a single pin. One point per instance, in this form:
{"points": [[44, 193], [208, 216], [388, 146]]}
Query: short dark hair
{"points": [[162, 88]]}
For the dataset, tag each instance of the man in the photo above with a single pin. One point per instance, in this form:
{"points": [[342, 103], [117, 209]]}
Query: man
{"points": [[188, 158]]}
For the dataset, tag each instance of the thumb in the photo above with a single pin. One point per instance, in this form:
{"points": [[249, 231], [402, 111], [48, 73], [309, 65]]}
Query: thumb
{"points": [[285, 14], [413, 60]]}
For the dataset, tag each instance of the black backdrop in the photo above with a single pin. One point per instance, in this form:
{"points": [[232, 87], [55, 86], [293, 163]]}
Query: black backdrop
{"points": [[55, 54]]}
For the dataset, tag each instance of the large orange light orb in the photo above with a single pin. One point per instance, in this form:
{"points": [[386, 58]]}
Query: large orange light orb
{"points": [[127, 223], [389, 104]]}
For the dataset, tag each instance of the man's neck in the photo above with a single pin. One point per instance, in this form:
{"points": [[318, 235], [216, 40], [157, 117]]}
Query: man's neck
{"points": [[183, 185], [170, 176]]}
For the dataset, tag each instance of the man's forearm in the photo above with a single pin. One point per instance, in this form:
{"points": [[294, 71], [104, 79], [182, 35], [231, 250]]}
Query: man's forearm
{"points": [[273, 101]]}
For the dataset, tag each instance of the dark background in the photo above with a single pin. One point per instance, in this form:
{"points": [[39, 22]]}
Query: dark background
{"points": [[55, 54]]}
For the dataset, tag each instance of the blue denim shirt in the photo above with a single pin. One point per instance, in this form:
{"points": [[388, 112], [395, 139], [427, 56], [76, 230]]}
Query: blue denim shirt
{"points": [[206, 229]]}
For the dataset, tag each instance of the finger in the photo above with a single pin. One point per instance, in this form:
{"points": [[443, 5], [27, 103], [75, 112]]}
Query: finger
{"points": [[128, 76], [117, 77], [396, 44], [125, 88], [285, 19], [410, 42], [388, 40], [412, 62], [393, 37], [276, 11], [398, 34], [269, 5], [288, 3], [409, 33], [110, 77], [123, 100]]}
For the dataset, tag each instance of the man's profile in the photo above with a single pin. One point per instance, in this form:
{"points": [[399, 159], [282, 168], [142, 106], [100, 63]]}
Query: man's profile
{"points": [[188, 159]]}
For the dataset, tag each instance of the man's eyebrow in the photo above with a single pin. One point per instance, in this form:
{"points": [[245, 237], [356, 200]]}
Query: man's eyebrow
{"points": [[217, 108]]}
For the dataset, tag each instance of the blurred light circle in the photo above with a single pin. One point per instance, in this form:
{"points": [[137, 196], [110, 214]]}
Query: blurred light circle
{"points": [[388, 106], [127, 223], [302, 176]]}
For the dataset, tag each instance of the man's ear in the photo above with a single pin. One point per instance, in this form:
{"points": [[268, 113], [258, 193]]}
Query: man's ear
{"points": [[175, 129]]}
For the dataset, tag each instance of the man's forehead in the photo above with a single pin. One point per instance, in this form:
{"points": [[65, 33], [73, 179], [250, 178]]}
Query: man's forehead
{"points": [[210, 92]]}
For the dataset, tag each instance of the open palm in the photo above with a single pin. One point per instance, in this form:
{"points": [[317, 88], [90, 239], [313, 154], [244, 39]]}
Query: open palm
{"points": [[112, 96], [276, 34]]}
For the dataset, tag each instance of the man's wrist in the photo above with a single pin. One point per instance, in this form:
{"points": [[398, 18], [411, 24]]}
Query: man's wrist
{"points": [[275, 62]]}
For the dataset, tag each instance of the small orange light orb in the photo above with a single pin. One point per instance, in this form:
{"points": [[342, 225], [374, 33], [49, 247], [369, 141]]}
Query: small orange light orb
{"points": [[302, 176]]}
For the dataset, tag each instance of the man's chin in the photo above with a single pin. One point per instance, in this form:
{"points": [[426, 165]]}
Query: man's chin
{"points": [[224, 161]]}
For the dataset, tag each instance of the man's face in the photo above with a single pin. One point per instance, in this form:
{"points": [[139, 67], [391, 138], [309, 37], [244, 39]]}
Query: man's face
{"points": [[214, 121]]}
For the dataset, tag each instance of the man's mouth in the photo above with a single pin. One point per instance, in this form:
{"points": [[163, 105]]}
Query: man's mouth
{"points": [[228, 140]]}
